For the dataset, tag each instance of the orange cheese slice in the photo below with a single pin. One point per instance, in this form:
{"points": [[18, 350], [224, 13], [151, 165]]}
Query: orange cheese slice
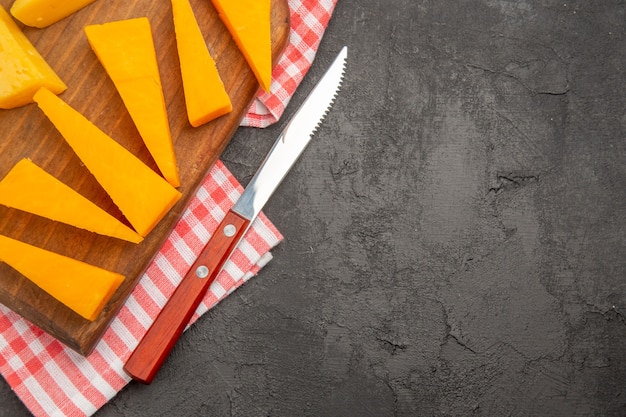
{"points": [[42, 13], [141, 194], [29, 188], [22, 69], [248, 21], [84, 288], [125, 49], [205, 95]]}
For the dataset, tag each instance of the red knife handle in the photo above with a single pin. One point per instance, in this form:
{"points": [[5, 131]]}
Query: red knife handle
{"points": [[154, 348]]}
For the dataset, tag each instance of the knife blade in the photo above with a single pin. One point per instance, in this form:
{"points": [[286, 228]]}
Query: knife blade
{"points": [[156, 345]]}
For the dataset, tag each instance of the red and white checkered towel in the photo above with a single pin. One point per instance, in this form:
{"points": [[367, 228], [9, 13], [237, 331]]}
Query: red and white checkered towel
{"points": [[53, 380]]}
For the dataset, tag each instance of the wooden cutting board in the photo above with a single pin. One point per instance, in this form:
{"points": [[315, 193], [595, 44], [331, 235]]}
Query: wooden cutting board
{"points": [[26, 133]]}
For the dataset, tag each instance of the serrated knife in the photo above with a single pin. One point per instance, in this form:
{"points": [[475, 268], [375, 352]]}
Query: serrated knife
{"points": [[155, 346]]}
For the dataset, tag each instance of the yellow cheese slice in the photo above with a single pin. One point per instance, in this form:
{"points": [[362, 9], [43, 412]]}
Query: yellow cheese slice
{"points": [[22, 69], [42, 13], [205, 95], [141, 194], [125, 49], [29, 188], [248, 21], [84, 288]]}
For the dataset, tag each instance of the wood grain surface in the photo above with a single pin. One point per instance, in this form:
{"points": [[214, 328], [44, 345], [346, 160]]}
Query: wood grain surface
{"points": [[26, 133]]}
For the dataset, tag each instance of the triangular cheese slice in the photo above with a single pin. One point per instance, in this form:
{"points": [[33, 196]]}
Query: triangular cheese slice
{"points": [[22, 69], [248, 21], [84, 288], [29, 188], [126, 50], [42, 13], [205, 95], [141, 194]]}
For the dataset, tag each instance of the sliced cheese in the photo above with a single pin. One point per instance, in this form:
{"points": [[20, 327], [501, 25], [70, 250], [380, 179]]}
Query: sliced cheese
{"points": [[205, 95], [141, 194], [22, 69], [42, 13], [126, 50], [29, 188], [84, 288], [248, 21]]}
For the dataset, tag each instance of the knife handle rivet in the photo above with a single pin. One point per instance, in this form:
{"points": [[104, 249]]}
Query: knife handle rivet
{"points": [[229, 230], [202, 272]]}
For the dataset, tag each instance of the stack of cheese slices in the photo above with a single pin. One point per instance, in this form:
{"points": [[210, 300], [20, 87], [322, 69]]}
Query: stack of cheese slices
{"points": [[126, 51]]}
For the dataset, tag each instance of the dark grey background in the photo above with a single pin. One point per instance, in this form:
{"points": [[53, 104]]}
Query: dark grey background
{"points": [[454, 236]]}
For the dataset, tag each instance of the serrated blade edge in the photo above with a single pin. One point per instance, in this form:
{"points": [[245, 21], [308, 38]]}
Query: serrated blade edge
{"points": [[293, 140]]}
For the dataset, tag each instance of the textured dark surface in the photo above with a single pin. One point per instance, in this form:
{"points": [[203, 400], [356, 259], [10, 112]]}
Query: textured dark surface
{"points": [[454, 237]]}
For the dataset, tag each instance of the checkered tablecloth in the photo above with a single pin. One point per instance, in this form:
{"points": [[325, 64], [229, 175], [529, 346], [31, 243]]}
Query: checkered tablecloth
{"points": [[53, 380]]}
